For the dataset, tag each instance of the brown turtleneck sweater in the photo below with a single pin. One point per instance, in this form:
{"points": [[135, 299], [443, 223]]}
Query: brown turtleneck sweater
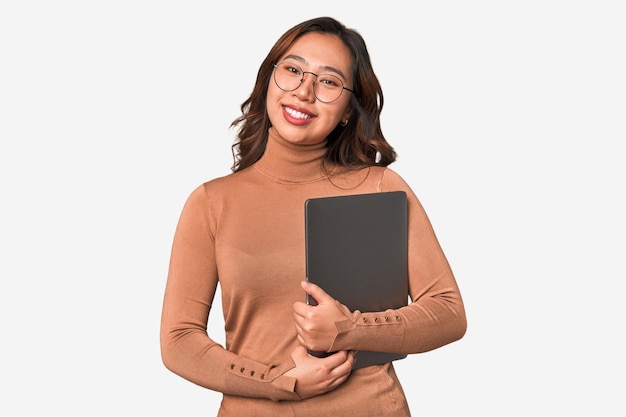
{"points": [[245, 231]]}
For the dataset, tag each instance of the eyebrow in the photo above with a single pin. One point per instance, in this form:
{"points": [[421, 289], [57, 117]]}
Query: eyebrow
{"points": [[326, 68]]}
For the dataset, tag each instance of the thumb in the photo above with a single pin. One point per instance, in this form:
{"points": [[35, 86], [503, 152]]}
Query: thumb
{"points": [[316, 292]]}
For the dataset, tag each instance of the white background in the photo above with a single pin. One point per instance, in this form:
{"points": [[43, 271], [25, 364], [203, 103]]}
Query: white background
{"points": [[509, 121]]}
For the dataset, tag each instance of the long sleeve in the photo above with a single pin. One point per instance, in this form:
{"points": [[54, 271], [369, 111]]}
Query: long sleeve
{"points": [[436, 314], [186, 348]]}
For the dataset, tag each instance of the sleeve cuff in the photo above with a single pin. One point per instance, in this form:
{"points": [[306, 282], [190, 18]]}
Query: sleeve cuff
{"points": [[360, 330], [277, 386]]}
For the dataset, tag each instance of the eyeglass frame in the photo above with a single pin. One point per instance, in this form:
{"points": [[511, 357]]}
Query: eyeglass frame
{"points": [[302, 80]]}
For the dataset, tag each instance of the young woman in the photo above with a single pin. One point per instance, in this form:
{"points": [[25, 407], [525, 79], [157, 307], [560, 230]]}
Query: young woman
{"points": [[309, 129]]}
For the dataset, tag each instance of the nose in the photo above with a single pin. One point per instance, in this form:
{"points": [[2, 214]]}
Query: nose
{"points": [[305, 90]]}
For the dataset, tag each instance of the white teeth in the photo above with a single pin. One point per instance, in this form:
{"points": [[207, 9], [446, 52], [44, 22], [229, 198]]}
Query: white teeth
{"points": [[297, 114]]}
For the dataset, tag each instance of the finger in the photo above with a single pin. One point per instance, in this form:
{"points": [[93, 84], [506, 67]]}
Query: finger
{"points": [[350, 359], [300, 335], [299, 323], [336, 383], [342, 372], [300, 308], [337, 359], [316, 292], [346, 366]]}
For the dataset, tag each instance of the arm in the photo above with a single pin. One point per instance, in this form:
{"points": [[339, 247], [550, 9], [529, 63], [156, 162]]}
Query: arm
{"points": [[188, 351], [435, 317], [186, 348]]}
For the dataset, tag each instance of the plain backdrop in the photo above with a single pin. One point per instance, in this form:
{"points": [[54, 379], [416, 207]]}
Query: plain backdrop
{"points": [[509, 121]]}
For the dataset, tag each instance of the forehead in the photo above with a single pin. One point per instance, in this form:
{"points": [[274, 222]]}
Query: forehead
{"points": [[319, 51]]}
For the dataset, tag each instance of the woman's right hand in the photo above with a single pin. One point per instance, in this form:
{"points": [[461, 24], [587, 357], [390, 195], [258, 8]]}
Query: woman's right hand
{"points": [[315, 376]]}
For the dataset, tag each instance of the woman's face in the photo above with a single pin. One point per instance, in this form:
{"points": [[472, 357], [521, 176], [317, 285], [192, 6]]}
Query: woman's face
{"points": [[298, 116]]}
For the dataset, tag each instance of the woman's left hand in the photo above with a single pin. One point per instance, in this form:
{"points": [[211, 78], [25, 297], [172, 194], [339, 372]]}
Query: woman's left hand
{"points": [[316, 324]]}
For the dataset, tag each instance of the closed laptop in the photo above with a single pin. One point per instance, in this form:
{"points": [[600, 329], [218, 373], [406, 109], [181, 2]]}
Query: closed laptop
{"points": [[357, 251]]}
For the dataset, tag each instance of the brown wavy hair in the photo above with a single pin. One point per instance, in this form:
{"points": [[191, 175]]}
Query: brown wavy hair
{"points": [[360, 143]]}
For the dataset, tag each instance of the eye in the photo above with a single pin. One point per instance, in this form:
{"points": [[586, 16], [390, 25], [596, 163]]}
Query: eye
{"points": [[329, 81], [291, 69]]}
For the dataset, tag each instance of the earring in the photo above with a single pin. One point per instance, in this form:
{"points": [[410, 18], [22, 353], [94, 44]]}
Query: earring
{"points": [[343, 123]]}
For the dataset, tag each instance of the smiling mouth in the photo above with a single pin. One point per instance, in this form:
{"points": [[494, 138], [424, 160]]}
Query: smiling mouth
{"points": [[297, 114]]}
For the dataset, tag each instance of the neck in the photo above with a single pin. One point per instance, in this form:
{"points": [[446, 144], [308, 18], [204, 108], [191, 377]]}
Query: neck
{"points": [[291, 162]]}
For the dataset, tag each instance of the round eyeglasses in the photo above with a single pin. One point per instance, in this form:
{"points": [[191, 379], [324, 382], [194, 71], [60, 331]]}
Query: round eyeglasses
{"points": [[326, 87]]}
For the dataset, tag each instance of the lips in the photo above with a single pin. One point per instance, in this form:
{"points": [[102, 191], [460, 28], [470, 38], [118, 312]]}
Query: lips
{"points": [[297, 116]]}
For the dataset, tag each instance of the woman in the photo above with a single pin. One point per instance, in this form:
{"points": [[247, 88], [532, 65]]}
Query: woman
{"points": [[309, 129]]}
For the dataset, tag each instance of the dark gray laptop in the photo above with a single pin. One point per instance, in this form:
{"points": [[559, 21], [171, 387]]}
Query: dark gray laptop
{"points": [[357, 251]]}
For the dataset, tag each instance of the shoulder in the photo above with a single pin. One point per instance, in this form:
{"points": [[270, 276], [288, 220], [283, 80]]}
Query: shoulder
{"points": [[208, 199], [211, 190], [389, 180], [220, 185]]}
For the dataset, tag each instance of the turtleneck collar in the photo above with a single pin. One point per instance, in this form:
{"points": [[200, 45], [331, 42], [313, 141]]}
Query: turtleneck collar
{"points": [[289, 162]]}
